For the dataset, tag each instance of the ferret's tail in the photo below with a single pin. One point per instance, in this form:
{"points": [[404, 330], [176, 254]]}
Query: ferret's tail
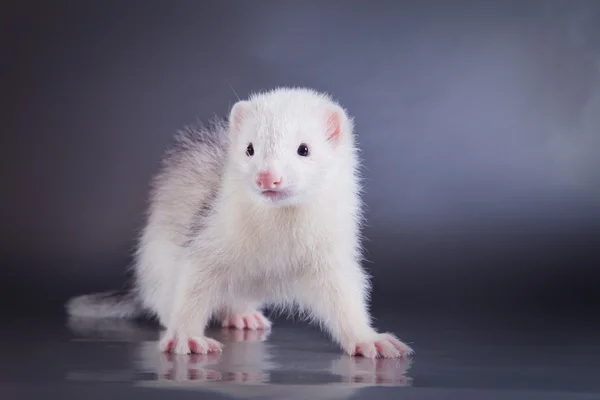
{"points": [[114, 304]]}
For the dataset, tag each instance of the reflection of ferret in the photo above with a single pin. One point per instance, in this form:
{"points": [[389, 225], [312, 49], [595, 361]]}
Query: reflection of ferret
{"points": [[261, 210]]}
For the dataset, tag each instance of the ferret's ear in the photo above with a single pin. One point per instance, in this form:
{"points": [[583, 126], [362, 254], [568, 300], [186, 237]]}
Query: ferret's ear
{"points": [[337, 124], [238, 113]]}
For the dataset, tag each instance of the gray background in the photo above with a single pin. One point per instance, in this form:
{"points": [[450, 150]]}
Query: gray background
{"points": [[479, 123]]}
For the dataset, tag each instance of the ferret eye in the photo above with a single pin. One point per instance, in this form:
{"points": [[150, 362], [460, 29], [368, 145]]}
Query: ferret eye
{"points": [[303, 150], [250, 150]]}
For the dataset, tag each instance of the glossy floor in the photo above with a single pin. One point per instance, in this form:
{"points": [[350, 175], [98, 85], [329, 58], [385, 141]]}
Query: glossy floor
{"points": [[455, 358]]}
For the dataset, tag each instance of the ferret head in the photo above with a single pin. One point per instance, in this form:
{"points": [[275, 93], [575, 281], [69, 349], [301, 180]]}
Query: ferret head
{"points": [[288, 145]]}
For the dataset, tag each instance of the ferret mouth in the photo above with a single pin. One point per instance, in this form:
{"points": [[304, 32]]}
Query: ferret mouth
{"points": [[274, 195]]}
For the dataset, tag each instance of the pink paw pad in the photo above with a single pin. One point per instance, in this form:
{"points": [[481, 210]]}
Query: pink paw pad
{"points": [[253, 321], [184, 344], [385, 345], [195, 348]]}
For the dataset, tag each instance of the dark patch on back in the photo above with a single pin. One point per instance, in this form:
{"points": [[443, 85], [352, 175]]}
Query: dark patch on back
{"points": [[200, 217]]}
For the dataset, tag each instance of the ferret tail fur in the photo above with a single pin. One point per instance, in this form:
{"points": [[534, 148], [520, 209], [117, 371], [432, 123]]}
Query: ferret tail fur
{"points": [[112, 304]]}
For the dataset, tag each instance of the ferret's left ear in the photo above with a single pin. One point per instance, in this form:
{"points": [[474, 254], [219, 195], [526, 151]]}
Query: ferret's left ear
{"points": [[337, 124], [238, 113]]}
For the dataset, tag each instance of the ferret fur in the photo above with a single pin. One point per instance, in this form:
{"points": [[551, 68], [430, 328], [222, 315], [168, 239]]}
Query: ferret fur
{"points": [[215, 246]]}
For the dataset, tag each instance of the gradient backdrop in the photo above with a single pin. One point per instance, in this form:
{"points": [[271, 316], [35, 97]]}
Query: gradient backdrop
{"points": [[479, 123]]}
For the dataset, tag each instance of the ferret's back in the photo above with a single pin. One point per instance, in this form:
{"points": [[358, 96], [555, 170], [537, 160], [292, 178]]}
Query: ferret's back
{"points": [[183, 192]]}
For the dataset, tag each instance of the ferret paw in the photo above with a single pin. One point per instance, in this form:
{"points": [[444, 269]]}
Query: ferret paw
{"points": [[384, 345], [178, 343], [253, 320]]}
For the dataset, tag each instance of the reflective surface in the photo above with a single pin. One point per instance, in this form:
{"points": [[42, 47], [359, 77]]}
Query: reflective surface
{"points": [[455, 358]]}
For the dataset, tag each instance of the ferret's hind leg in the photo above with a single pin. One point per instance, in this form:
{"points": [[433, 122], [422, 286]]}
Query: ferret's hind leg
{"points": [[244, 315]]}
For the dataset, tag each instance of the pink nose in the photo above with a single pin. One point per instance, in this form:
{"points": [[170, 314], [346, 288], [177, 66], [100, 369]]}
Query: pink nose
{"points": [[266, 180]]}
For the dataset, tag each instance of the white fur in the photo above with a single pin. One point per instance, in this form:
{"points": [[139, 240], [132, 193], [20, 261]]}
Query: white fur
{"points": [[214, 246]]}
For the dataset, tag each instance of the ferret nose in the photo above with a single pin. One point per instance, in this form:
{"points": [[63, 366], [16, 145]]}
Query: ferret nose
{"points": [[266, 180]]}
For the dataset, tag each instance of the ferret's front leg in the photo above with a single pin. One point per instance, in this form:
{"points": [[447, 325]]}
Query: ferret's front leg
{"points": [[194, 303], [337, 296]]}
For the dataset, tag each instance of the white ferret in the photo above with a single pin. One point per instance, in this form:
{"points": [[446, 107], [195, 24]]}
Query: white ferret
{"points": [[261, 210]]}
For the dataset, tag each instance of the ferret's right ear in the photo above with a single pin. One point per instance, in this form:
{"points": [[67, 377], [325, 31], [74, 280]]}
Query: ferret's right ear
{"points": [[337, 124], [238, 113]]}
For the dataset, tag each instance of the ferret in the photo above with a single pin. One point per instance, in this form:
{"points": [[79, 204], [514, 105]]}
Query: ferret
{"points": [[262, 209]]}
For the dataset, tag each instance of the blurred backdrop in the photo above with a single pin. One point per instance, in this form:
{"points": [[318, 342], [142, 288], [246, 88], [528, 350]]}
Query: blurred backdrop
{"points": [[479, 123]]}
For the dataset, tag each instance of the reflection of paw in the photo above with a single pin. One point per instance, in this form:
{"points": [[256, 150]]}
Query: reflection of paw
{"points": [[383, 345], [181, 368], [203, 375], [246, 377], [179, 343], [253, 320], [369, 371]]}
